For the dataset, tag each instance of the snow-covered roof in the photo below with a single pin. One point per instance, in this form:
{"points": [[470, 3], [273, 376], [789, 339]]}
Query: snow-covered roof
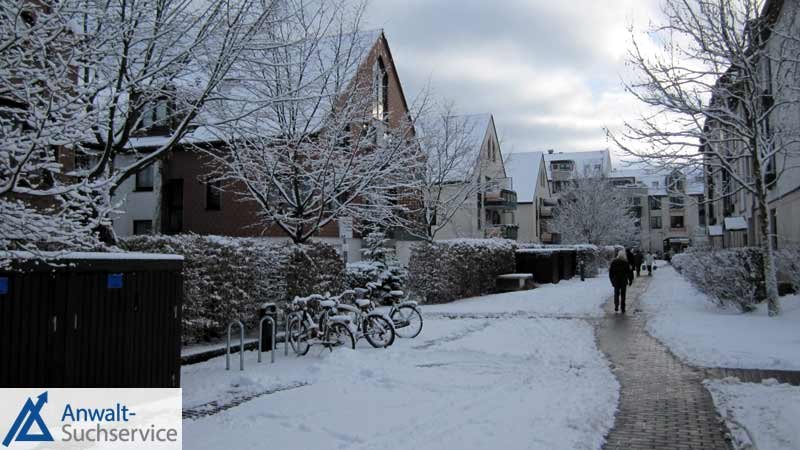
{"points": [[735, 223], [656, 182], [476, 126], [715, 230], [330, 68], [582, 160], [524, 169]]}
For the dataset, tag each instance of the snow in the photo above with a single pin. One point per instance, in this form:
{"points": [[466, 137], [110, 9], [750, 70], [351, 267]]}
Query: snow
{"points": [[476, 127], [524, 169], [763, 415], [90, 255], [569, 298], [735, 223], [715, 230], [466, 384], [704, 335], [518, 380]]}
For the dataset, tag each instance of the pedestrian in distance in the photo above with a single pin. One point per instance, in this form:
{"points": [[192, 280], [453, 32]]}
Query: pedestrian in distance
{"points": [[621, 277], [649, 262], [638, 260]]}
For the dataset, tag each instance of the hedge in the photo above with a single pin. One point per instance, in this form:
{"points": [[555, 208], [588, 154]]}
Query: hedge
{"points": [[227, 278], [444, 271], [731, 277]]}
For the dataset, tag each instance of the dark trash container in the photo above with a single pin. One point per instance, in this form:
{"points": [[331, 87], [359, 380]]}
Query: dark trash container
{"points": [[268, 310]]}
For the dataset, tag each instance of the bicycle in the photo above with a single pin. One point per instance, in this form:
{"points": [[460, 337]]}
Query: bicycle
{"points": [[404, 314], [328, 329], [375, 327]]}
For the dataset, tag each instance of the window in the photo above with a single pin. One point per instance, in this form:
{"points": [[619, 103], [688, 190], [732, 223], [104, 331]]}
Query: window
{"points": [[142, 227], [676, 222], [654, 184], [655, 203], [144, 179], [381, 91], [157, 115], [655, 222], [213, 195], [676, 203], [701, 211], [635, 201]]}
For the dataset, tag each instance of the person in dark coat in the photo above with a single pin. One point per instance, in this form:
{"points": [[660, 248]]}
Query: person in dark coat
{"points": [[621, 277], [638, 260]]}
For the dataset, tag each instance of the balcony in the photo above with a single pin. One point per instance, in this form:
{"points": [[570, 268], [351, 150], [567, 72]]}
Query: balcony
{"points": [[546, 212], [505, 231], [501, 199]]}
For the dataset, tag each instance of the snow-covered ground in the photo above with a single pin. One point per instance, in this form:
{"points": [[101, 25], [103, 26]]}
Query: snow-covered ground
{"points": [[704, 335], [508, 382], [767, 411], [569, 298]]}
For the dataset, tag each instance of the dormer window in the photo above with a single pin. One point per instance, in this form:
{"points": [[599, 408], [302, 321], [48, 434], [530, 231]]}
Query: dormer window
{"points": [[156, 116], [380, 85]]}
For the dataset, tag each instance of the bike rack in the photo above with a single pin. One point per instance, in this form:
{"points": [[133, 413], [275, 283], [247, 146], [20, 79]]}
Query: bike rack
{"points": [[261, 338], [286, 336], [241, 345]]}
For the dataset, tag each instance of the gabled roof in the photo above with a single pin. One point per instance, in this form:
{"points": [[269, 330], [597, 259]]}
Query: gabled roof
{"points": [[524, 169], [476, 127]]}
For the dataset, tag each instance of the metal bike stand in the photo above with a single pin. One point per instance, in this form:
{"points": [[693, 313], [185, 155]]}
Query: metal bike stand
{"points": [[286, 336], [261, 338], [241, 345]]}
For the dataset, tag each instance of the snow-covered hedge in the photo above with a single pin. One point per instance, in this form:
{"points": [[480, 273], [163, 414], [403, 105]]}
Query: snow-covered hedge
{"points": [[731, 277], [444, 271], [227, 278], [788, 262]]}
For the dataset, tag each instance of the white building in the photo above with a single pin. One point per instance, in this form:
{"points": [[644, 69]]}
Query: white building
{"points": [[535, 202], [565, 166], [490, 213]]}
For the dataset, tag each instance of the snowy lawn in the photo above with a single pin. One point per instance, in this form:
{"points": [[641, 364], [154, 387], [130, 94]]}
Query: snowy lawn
{"points": [[509, 383], [704, 335], [569, 298], [768, 411]]}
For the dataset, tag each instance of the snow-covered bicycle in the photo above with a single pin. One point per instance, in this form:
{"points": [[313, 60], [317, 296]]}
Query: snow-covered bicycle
{"points": [[376, 328], [314, 320], [405, 314]]}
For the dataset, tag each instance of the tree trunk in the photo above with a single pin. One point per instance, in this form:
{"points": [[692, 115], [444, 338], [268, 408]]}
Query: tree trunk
{"points": [[158, 194], [770, 277]]}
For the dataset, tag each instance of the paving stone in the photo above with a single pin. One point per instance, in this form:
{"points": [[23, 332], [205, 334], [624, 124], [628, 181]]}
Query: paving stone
{"points": [[663, 404]]}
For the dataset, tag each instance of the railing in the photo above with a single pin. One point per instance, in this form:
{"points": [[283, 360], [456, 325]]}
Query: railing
{"points": [[546, 211], [241, 345], [501, 199]]}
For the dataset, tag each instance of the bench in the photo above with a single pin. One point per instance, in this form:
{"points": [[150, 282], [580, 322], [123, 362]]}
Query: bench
{"points": [[514, 282]]}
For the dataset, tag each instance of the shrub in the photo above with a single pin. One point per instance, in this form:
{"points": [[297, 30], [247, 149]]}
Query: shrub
{"points": [[226, 278], [379, 270], [731, 277], [444, 271], [788, 265]]}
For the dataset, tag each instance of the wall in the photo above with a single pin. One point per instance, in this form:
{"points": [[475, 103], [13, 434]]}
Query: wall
{"points": [[134, 205]]}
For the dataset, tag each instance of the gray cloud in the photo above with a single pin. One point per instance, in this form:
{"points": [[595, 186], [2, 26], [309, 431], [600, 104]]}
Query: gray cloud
{"points": [[549, 71]]}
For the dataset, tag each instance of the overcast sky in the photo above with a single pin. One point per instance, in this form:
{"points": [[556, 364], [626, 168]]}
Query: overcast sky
{"points": [[549, 70]]}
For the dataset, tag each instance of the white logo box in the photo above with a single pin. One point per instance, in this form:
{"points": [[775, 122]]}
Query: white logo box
{"points": [[91, 418]]}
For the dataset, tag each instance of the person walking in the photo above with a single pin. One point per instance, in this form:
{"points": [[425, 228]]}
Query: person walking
{"points": [[638, 260], [621, 277], [649, 261]]}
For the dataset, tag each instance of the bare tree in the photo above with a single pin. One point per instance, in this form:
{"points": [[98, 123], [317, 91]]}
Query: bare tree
{"points": [[594, 211], [451, 176], [42, 117], [728, 69], [82, 80], [306, 132]]}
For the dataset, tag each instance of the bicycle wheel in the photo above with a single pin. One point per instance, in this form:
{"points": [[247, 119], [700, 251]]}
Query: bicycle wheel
{"points": [[378, 331], [298, 337], [338, 335], [407, 321]]}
